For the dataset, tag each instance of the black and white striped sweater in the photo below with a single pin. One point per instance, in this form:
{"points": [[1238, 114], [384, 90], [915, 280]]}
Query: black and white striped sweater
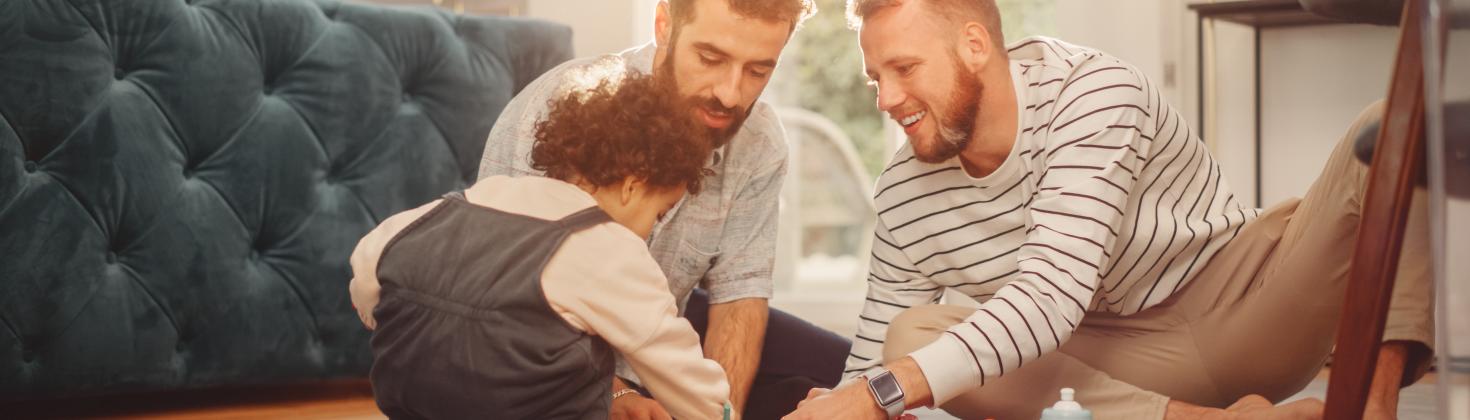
{"points": [[1107, 202]]}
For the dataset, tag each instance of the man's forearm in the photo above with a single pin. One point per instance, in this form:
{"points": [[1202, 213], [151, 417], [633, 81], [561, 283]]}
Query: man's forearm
{"points": [[734, 337], [1388, 377], [911, 379]]}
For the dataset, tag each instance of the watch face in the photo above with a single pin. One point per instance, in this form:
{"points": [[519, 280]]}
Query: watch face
{"points": [[887, 387]]}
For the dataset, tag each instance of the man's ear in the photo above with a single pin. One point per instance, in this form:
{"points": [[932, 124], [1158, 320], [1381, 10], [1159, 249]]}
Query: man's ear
{"points": [[974, 47], [663, 24]]}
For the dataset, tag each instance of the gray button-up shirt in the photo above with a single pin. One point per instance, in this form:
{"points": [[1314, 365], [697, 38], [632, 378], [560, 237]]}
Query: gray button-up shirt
{"points": [[724, 238]]}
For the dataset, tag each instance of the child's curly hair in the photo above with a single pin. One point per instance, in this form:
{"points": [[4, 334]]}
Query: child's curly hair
{"points": [[629, 126]]}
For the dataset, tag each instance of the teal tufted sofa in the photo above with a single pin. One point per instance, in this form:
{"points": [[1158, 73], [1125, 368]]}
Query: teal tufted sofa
{"points": [[181, 182]]}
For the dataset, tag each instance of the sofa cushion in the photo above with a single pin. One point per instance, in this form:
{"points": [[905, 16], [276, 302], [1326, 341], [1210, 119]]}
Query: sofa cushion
{"points": [[181, 183]]}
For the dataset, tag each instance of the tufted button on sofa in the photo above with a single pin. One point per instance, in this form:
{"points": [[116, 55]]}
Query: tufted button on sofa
{"points": [[181, 182]]}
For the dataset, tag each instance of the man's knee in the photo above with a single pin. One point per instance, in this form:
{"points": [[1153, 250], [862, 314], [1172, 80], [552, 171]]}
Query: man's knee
{"points": [[916, 327], [1362, 134]]}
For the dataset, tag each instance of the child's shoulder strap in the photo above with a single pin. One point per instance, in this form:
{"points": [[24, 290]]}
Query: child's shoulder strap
{"points": [[585, 218]]}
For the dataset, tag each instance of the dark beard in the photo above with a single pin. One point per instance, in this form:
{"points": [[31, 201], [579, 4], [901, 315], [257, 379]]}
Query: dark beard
{"points": [[956, 127], [720, 136]]}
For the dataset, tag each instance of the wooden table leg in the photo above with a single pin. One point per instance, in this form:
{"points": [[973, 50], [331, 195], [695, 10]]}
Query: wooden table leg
{"points": [[1398, 160]]}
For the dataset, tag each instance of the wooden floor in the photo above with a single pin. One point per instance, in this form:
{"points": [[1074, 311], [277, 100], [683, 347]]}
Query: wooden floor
{"points": [[354, 400], [350, 399]]}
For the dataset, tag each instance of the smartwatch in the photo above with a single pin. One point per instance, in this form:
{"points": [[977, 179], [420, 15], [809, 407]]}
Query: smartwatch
{"points": [[886, 392]]}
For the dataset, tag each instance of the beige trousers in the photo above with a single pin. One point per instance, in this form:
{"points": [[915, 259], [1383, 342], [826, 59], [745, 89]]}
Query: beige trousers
{"points": [[1260, 318]]}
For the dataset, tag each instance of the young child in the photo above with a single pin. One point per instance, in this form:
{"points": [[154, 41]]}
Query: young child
{"points": [[509, 299]]}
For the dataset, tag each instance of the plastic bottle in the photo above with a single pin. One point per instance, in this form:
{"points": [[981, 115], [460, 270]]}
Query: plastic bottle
{"points": [[1066, 409]]}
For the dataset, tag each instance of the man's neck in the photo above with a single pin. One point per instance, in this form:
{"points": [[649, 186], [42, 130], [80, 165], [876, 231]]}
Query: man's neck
{"points": [[995, 127]]}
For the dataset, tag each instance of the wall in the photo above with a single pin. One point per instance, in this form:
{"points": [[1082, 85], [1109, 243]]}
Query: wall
{"points": [[602, 26], [1231, 127], [1145, 33], [1315, 81]]}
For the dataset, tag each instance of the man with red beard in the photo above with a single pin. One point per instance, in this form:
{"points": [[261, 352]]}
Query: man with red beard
{"points": [[1052, 184], [719, 55]]}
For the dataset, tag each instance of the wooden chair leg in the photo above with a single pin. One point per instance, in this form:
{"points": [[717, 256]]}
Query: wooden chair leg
{"points": [[1397, 161]]}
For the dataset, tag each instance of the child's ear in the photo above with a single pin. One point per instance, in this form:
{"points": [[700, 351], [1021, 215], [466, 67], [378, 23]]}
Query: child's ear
{"points": [[629, 190]]}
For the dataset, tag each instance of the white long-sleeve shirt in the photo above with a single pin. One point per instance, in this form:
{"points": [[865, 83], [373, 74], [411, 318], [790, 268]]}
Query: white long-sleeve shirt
{"points": [[1107, 202], [603, 281]]}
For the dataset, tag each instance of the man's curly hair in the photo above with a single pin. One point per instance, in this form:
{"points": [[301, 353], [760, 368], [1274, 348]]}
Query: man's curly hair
{"points": [[794, 11], [632, 126]]}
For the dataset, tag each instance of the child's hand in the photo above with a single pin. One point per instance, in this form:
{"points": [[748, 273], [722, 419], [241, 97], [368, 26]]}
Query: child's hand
{"points": [[637, 407], [365, 293]]}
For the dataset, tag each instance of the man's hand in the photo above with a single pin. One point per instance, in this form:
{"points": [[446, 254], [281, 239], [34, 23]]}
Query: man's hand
{"points": [[850, 401], [853, 400], [635, 406], [365, 295], [1258, 407], [822, 397]]}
